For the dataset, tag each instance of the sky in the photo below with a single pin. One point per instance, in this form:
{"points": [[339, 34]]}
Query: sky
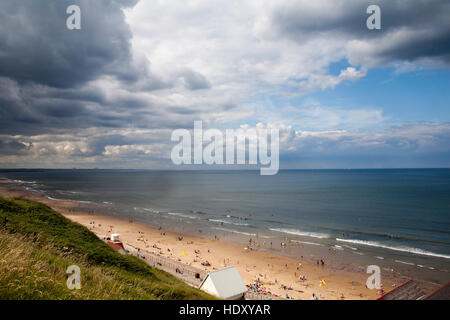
{"points": [[110, 94]]}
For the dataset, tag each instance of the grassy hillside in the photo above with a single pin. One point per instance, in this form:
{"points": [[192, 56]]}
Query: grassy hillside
{"points": [[37, 244]]}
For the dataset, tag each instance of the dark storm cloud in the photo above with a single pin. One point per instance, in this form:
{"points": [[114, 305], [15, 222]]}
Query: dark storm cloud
{"points": [[29, 114], [49, 75], [45, 69], [36, 46], [10, 146], [86, 94], [421, 28]]}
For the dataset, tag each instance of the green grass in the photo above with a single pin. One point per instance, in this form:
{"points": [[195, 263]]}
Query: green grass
{"points": [[37, 244]]}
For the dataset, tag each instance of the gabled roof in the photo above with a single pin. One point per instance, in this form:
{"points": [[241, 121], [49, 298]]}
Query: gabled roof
{"points": [[227, 282], [407, 291], [442, 293], [116, 245]]}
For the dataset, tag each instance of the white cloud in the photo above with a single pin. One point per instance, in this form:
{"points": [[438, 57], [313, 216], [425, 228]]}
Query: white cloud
{"points": [[421, 144], [228, 44], [325, 81]]}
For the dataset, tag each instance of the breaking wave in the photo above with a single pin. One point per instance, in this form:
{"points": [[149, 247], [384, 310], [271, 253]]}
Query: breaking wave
{"points": [[301, 233], [228, 222], [235, 231], [394, 248]]}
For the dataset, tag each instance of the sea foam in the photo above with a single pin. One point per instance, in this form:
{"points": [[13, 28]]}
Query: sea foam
{"points": [[301, 233], [181, 215], [228, 222], [235, 231], [394, 248]]}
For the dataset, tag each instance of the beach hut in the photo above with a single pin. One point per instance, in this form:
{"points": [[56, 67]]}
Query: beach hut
{"points": [[117, 246], [225, 284]]}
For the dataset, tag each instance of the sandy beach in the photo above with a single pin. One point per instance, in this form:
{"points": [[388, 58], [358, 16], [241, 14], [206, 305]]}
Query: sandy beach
{"points": [[278, 274]]}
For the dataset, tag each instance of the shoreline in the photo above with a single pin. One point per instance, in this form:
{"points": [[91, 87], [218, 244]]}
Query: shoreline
{"points": [[276, 272], [213, 216]]}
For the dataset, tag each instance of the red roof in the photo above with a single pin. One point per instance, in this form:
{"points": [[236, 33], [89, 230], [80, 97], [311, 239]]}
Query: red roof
{"points": [[116, 245]]}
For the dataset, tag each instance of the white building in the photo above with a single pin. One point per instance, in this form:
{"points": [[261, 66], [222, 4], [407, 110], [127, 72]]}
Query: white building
{"points": [[225, 284]]}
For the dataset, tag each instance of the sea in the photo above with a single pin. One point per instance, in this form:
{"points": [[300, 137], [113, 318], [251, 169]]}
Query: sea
{"points": [[395, 218]]}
